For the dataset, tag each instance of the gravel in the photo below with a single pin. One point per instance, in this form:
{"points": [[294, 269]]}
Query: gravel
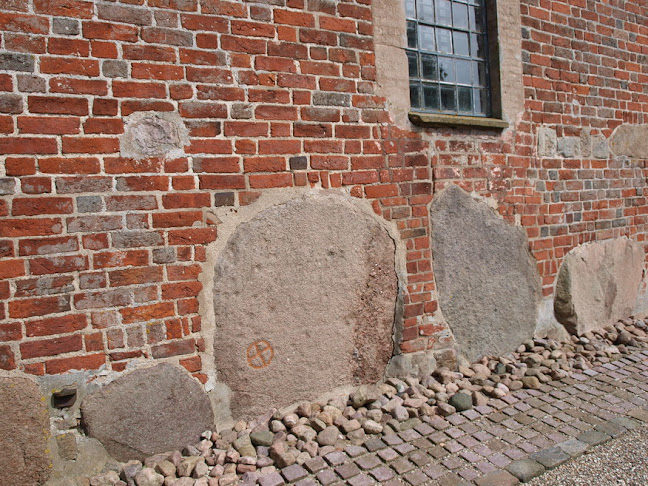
{"points": [[620, 462]]}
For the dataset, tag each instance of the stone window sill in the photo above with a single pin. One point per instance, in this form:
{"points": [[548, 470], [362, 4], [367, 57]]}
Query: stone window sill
{"points": [[437, 120]]}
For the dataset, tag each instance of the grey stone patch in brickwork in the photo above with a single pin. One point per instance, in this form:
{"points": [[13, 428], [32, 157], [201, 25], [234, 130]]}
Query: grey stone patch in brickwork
{"points": [[7, 186], [31, 84], [63, 26], [148, 411], [304, 299], [89, 204], [551, 457], [322, 98], [593, 437], [114, 69], [17, 62], [136, 239], [639, 414], [488, 283], [223, 199], [573, 447], [598, 284], [547, 141], [24, 431], [630, 141], [241, 111], [525, 469], [154, 134], [298, 163], [600, 147], [569, 147], [10, 103]]}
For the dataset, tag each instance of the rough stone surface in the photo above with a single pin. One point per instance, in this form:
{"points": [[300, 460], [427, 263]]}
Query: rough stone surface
{"points": [[24, 427], [598, 284], [488, 283], [525, 469], [147, 411], [630, 140], [304, 299], [149, 134]]}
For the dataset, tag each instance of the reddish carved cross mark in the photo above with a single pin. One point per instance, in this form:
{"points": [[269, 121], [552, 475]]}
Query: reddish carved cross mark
{"points": [[259, 354]]}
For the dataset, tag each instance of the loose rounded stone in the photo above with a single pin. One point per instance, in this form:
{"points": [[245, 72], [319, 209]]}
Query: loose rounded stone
{"points": [[461, 402]]}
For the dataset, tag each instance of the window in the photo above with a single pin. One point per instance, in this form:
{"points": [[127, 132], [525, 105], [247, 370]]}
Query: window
{"points": [[447, 54]]}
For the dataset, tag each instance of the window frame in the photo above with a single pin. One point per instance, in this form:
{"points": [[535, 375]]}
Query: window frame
{"points": [[475, 80]]}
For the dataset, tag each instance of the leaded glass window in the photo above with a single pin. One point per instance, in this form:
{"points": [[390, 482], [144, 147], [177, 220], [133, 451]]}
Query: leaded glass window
{"points": [[447, 52]]}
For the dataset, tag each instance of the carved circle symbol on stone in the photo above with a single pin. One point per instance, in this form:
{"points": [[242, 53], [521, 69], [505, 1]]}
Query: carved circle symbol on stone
{"points": [[259, 354]]}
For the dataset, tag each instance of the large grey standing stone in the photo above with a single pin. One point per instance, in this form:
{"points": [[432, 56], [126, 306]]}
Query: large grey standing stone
{"points": [[630, 140], [598, 284], [24, 431], [487, 280], [304, 299], [148, 411]]}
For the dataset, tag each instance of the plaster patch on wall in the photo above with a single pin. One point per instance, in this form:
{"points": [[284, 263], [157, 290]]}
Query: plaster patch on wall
{"points": [[152, 134]]}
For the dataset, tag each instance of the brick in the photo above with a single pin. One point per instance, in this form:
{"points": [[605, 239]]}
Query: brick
{"points": [[42, 205], [147, 313], [48, 125], [92, 224], [181, 290], [88, 362], [51, 347], [58, 264], [101, 299], [58, 105], [38, 307], [7, 358], [11, 268], [72, 66], [125, 14], [28, 145], [12, 228], [11, 332], [65, 8], [176, 348], [134, 276]]}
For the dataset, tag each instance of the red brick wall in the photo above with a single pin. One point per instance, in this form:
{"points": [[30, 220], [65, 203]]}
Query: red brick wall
{"points": [[100, 255]]}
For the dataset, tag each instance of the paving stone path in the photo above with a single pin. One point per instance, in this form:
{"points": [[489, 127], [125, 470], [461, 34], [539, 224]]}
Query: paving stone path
{"points": [[512, 440]]}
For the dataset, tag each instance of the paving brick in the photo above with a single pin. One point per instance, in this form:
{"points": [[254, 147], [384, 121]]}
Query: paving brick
{"points": [[294, 473], [361, 480], [497, 478], [610, 428], [593, 437], [402, 465], [272, 479], [373, 445], [315, 464], [348, 470], [404, 448], [326, 477], [526, 469], [368, 462], [550, 458], [416, 478], [306, 482], [336, 458], [419, 458], [382, 474], [388, 454]]}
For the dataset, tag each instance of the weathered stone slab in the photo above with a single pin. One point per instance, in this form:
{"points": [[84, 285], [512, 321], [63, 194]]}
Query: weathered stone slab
{"points": [[148, 411], [630, 140], [153, 134], [304, 299], [487, 280], [24, 430], [598, 284]]}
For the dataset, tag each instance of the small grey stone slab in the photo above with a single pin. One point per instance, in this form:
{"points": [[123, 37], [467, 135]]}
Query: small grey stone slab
{"points": [[626, 422], [593, 437], [525, 469], [373, 445], [497, 478], [573, 447], [611, 429], [639, 414], [551, 457], [315, 464]]}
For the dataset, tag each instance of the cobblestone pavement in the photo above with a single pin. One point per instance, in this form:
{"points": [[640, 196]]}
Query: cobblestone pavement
{"points": [[511, 440]]}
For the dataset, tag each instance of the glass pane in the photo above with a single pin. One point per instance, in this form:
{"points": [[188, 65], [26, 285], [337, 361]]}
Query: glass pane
{"points": [[448, 98], [481, 101], [431, 96], [460, 43], [415, 95], [476, 19], [410, 9], [477, 46], [411, 35], [444, 12], [426, 10], [412, 61], [446, 70], [464, 71], [464, 97], [479, 73], [444, 41], [427, 38], [460, 16], [429, 67]]}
